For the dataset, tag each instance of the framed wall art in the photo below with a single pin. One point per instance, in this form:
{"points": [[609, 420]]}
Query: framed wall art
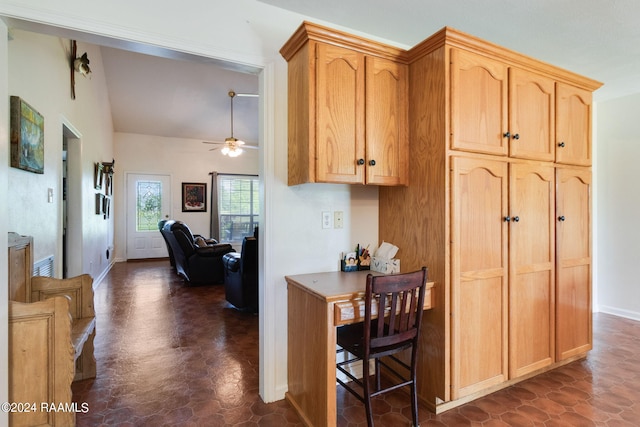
{"points": [[194, 197], [98, 175], [26, 136], [99, 203]]}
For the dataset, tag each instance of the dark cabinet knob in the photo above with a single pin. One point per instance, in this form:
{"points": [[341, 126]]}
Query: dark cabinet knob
{"points": [[360, 161], [506, 135], [516, 136], [372, 162], [561, 144], [561, 218], [507, 218], [516, 219]]}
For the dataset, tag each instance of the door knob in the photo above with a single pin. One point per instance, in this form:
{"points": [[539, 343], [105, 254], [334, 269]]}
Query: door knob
{"points": [[372, 162], [516, 136], [561, 218], [360, 161], [561, 144], [507, 218]]}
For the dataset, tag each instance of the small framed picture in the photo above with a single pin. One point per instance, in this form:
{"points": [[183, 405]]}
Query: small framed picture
{"points": [[99, 204], [194, 197], [98, 176]]}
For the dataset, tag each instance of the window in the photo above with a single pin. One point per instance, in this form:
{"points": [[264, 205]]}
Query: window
{"points": [[238, 206], [148, 205]]}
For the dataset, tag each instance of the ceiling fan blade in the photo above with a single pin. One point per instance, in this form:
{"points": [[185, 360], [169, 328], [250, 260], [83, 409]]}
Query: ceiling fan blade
{"points": [[213, 142]]}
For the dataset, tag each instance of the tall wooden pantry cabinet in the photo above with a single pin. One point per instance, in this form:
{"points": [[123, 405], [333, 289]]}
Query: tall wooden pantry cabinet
{"points": [[498, 207]]}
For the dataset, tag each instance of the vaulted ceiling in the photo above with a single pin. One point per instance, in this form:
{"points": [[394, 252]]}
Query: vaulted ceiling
{"points": [[186, 97]]}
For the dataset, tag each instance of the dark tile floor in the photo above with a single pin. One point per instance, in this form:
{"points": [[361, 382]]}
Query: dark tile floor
{"points": [[171, 355]]}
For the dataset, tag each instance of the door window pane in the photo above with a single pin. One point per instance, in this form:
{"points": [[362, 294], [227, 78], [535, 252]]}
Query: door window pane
{"points": [[148, 205]]}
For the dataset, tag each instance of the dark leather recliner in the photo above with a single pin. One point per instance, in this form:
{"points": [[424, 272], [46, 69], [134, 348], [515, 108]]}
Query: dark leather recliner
{"points": [[198, 265], [164, 233], [241, 276]]}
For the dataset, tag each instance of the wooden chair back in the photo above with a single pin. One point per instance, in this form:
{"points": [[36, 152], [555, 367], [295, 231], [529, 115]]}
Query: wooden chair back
{"points": [[401, 299]]}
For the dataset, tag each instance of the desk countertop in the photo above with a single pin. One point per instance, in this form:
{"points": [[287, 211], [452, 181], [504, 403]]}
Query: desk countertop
{"points": [[334, 285]]}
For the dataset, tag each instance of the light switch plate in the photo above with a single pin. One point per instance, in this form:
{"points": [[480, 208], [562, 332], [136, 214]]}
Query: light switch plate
{"points": [[50, 195], [326, 220]]}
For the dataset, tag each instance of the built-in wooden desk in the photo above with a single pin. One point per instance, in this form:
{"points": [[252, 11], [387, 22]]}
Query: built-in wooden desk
{"points": [[317, 304]]}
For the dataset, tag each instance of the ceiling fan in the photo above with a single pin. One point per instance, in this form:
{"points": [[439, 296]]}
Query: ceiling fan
{"points": [[231, 146]]}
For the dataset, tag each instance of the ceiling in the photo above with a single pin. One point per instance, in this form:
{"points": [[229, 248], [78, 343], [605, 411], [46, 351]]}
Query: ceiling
{"points": [[596, 38], [172, 95], [153, 95]]}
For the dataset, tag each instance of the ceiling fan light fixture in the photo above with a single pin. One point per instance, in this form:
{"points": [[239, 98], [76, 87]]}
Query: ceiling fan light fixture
{"points": [[232, 147]]}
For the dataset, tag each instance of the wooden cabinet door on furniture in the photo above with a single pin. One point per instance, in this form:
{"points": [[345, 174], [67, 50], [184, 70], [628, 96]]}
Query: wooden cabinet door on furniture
{"points": [[479, 275], [573, 125], [531, 267], [340, 115], [387, 150], [479, 88], [573, 260], [531, 115]]}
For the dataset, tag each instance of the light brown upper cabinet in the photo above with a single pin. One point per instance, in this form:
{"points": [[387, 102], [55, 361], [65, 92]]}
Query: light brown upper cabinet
{"points": [[573, 125], [500, 109], [348, 109]]}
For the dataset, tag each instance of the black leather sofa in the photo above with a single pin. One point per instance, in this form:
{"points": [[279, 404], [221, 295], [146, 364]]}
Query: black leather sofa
{"points": [[241, 275], [197, 260]]}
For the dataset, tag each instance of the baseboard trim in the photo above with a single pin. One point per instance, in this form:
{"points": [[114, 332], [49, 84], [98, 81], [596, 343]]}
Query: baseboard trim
{"points": [[633, 315]]}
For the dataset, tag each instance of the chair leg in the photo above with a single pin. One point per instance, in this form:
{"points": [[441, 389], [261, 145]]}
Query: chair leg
{"points": [[367, 391], [414, 404], [377, 374]]}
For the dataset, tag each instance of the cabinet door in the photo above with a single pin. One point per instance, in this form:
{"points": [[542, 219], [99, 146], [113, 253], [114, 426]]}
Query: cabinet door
{"points": [[531, 115], [387, 151], [573, 125], [479, 275], [573, 265], [478, 103], [531, 268], [340, 115]]}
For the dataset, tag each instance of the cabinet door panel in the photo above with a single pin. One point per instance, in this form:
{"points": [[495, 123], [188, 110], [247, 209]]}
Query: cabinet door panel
{"points": [[531, 115], [479, 275], [386, 122], [340, 115], [573, 125], [478, 103], [531, 268], [573, 270]]}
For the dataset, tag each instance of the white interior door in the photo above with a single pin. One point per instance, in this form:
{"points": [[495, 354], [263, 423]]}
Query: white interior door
{"points": [[148, 201]]}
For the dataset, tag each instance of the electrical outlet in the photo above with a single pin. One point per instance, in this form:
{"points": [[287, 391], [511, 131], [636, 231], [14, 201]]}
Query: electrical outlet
{"points": [[338, 217], [326, 219]]}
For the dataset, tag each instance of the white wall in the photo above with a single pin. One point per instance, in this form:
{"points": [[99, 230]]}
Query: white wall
{"points": [[185, 161], [4, 160], [618, 206], [39, 73], [247, 32]]}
